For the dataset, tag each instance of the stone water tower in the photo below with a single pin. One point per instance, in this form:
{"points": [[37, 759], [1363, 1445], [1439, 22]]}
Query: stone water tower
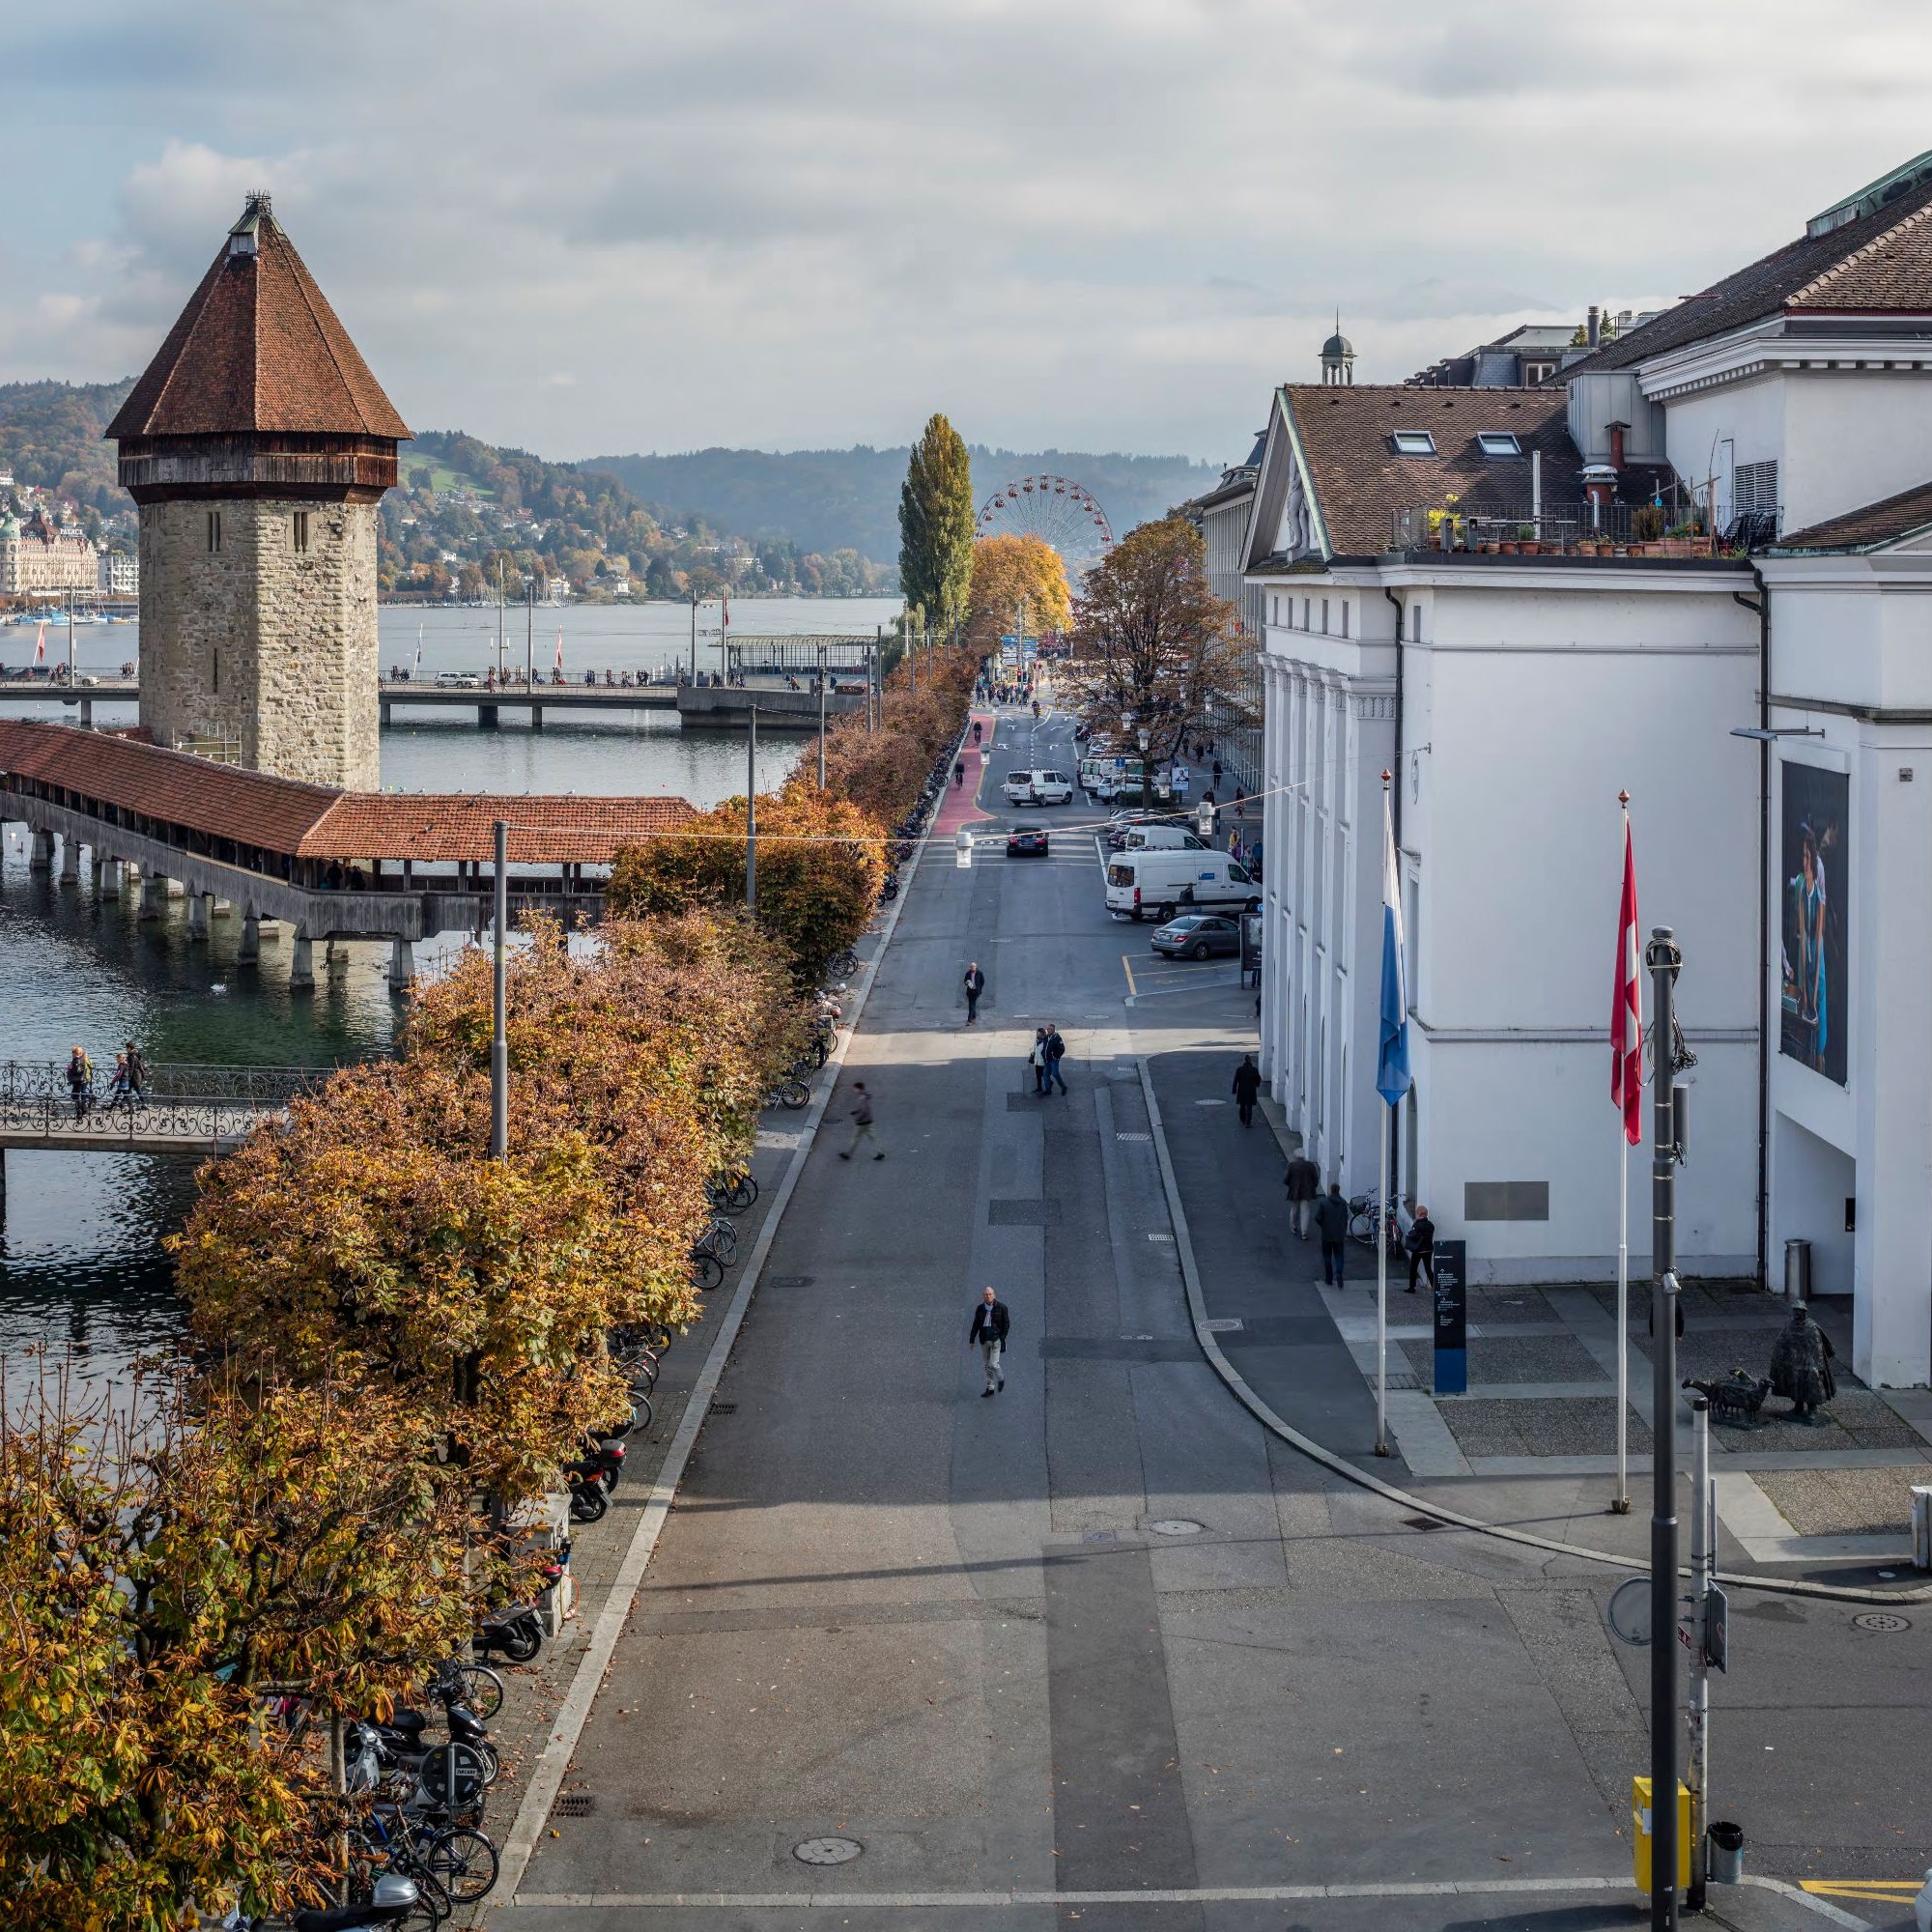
{"points": [[258, 447]]}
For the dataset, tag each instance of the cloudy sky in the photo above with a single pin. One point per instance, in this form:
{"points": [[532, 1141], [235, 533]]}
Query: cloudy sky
{"points": [[1114, 224]]}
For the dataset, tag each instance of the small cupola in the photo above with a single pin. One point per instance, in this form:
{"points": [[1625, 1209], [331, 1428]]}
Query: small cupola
{"points": [[245, 237]]}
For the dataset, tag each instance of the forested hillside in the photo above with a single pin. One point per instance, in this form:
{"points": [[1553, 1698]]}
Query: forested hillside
{"points": [[830, 498]]}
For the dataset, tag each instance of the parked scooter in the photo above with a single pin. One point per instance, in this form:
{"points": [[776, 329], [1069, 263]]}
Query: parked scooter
{"points": [[517, 1631], [394, 1898]]}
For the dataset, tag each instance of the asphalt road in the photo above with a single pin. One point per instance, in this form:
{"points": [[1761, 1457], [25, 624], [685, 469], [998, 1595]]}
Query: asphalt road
{"points": [[1101, 1641]]}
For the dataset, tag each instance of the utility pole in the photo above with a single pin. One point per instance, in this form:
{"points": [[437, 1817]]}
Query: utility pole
{"points": [[499, 1042], [499, 619], [1703, 1584], [70, 636], [821, 717], [530, 635], [751, 813], [1663, 960], [693, 637]]}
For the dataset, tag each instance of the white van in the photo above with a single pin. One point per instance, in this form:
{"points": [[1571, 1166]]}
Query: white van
{"points": [[1158, 884], [1112, 781], [1162, 839], [1039, 788]]}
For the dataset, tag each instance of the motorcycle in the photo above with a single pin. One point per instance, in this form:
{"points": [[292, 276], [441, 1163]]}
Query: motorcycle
{"points": [[517, 1631], [393, 1898]]}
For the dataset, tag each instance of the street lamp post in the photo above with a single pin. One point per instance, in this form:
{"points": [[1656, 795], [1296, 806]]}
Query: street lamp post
{"points": [[499, 1043], [751, 813], [821, 716], [1147, 784]]}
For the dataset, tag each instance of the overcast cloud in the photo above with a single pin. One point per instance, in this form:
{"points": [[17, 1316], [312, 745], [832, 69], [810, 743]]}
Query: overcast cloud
{"points": [[1076, 223]]}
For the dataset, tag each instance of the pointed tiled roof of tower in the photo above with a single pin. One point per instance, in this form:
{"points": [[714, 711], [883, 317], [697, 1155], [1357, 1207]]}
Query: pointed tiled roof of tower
{"points": [[258, 348]]}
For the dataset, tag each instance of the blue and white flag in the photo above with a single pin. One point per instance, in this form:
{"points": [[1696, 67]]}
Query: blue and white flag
{"points": [[1392, 1075]]}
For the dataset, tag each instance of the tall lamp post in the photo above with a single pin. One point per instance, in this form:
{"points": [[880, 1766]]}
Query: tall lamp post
{"points": [[499, 1043], [751, 813], [821, 716], [1146, 783]]}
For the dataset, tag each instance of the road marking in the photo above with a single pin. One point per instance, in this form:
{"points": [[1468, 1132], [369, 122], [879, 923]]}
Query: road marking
{"points": [[1127, 967], [1904, 1889], [1206, 1894]]}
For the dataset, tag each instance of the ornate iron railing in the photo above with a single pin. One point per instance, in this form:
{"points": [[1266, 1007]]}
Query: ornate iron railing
{"points": [[130, 1123], [30, 1081]]}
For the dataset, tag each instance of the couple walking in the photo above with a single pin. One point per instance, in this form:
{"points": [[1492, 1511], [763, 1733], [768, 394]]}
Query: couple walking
{"points": [[1048, 1051]]}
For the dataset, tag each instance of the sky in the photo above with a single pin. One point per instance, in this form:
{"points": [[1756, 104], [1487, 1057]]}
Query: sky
{"points": [[1080, 224]]}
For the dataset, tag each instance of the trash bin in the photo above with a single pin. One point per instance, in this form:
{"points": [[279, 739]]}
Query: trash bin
{"points": [[1726, 1863], [1797, 1270]]}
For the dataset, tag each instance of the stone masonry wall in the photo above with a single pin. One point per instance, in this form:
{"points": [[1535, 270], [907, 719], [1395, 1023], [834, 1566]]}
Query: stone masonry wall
{"points": [[259, 643]]}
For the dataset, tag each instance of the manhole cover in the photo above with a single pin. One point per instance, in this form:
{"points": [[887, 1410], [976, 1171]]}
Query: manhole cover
{"points": [[1881, 1620], [1175, 1526], [576, 1804], [1098, 1536], [1421, 1522], [827, 1850]]}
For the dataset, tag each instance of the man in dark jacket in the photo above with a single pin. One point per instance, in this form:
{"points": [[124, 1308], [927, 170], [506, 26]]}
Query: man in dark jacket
{"points": [[1303, 1181], [1420, 1241], [1056, 1052], [991, 1324], [1331, 1223], [975, 984], [1248, 1085]]}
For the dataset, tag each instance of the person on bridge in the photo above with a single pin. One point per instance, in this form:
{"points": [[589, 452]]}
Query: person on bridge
{"points": [[862, 1130], [80, 1081], [137, 1072], [1247, 1087], [975, 984], [991, 1325]]}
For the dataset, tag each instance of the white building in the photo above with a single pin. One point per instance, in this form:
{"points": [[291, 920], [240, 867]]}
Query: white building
{"points": [[1514, 696], [120, 574], [1222, 516]]}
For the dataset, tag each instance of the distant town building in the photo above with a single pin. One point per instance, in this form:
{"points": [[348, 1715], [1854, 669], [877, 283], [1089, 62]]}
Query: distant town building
{"points": [[1531, 352], [38, 555], [1221, 515], [120, 574]]}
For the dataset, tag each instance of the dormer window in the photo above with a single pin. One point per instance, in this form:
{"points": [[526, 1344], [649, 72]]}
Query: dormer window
{"points": [[1414, 443], [1498, 442]]}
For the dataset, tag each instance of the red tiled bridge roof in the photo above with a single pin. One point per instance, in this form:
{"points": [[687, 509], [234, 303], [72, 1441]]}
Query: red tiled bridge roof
{"points": [[310, 821]]}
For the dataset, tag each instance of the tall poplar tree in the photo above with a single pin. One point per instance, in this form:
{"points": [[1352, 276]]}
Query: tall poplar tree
{"points": [[936, 525]]}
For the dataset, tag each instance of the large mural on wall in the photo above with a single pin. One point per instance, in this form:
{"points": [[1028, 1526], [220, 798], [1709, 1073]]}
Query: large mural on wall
{"points": [[1814, 980]]}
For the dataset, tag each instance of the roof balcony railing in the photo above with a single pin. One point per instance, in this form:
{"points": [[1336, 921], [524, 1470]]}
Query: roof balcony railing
{"points": [[1578, 529]]}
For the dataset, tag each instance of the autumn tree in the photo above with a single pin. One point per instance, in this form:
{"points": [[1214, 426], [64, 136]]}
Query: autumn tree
{"points": [[936, 525], [820, 865], [1007, 571], [1152, 644]]}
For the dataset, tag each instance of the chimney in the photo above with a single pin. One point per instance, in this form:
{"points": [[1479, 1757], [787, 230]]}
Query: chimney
{"points": [[1616, 430], [1594, 330]]}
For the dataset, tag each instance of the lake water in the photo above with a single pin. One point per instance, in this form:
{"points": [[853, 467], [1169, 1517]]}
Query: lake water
{"points": [[80, 1261]]}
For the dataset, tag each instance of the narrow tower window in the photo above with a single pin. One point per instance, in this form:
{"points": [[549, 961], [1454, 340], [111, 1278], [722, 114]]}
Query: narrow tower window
{"points": [[301, 530], [213, 530]]}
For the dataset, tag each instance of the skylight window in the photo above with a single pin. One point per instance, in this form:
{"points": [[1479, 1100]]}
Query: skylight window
{"points": [[1498, 442], [1414, 443]]}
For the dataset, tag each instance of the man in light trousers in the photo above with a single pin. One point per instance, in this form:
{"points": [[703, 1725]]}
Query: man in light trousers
{"points": [[991, 1324]]}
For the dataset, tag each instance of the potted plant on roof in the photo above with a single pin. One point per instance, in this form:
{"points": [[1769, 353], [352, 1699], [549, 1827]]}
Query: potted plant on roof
{"points": [[1527, 544]]}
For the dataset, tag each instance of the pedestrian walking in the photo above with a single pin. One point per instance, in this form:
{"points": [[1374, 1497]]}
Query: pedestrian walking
{"points": [[1304, 1182], [861, 1124], [975, 984], [1247, 1087], [137, 1073], [1056, 1052], [1420, 1242], [1331, 1222], [991, 1325], [80, 1081], [1036, 1059], [1234, 846]]}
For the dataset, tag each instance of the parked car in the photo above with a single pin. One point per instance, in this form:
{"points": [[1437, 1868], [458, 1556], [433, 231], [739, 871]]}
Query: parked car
{"points": [[1197, 934], [458, 680], [1026, 842], [1039, 788], [1143, 830]]}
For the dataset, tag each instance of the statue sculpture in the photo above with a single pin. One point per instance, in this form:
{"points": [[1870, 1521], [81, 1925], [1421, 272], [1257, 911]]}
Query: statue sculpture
{"points": [[1801, 1366]]}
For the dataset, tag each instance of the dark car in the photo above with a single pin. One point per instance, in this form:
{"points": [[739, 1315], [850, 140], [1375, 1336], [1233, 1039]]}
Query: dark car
{"points": [[1026, 842], [1195, 935]]}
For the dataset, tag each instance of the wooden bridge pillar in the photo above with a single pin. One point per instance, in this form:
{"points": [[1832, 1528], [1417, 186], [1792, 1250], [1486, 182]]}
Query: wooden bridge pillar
{"points": [[41, 852], [69, 864], [250, 952], [197, 915], [153, 896], [402, 965], [106, 877], [301, 962], [335, 959]]}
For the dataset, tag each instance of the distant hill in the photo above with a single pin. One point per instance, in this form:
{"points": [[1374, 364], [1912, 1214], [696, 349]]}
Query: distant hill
{"points": [[50, 436], [827, 499]]}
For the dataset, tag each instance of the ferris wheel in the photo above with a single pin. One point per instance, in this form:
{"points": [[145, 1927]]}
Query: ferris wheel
{"points": [[1064, 513]]}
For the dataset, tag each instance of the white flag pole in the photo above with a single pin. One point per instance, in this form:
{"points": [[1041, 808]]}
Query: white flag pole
{"points": [[1620, 1503], [1381, 1223]]}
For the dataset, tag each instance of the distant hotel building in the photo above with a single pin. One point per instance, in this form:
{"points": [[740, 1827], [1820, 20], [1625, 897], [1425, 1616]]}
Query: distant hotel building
{"points": [[40, 555], [120, 574]]}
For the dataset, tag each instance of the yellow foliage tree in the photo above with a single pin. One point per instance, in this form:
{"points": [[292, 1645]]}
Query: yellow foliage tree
{"points": [[1007, 569]]}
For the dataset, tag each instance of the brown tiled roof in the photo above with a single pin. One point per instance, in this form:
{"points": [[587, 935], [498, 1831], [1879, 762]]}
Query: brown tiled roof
{"points": [[258, 348], [1880, 263], [439, 827], [174, 787], [1345, 435], [1867, 529], [311, 821]]}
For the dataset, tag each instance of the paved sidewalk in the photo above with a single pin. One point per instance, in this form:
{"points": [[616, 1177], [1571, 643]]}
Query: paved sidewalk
{"points": [[1532, 1444]]}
